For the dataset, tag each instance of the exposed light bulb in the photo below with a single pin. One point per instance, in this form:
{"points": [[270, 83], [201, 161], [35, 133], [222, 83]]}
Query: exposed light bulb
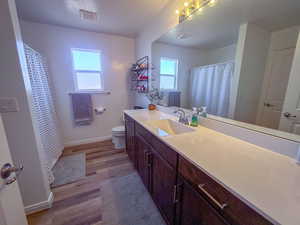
{"points": [[186, 4], [177, 11], [212, 2], [197, 4]]}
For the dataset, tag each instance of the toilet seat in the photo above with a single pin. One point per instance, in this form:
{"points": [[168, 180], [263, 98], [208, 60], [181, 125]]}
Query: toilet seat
{"points": [[119, 129]]}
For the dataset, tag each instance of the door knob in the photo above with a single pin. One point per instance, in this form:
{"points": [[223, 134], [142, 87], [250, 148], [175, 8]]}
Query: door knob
{"points": [[289, 115], [7, 170]]}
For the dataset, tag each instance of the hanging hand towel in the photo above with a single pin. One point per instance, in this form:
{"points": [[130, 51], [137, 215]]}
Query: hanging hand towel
{"points": [[174, 98], [82, 109]]}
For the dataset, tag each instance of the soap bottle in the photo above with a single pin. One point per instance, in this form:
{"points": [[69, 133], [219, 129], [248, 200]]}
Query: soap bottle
{"points": [[204, 112], [194, 122]]}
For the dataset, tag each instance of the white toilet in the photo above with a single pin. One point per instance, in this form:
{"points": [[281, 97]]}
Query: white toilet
{"points": [[118, 137]]}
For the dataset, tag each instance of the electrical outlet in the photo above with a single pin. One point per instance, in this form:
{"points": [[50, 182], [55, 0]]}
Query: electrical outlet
{"points": [[8, 105]]}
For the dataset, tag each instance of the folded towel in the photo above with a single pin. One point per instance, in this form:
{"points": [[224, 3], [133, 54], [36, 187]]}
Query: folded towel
{"points": [[174, 99], [82, 109]]}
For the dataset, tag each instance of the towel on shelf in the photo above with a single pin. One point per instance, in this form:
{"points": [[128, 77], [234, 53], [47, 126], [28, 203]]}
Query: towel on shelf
{"points": [[174, 98], [82, 109]]}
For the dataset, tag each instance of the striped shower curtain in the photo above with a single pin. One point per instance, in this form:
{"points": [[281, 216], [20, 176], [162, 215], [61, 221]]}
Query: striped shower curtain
{"points": [[44, 110]]}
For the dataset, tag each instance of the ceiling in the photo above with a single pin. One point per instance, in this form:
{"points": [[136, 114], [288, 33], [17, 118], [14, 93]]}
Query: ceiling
{"points": [[218, 26], [122, 17]]}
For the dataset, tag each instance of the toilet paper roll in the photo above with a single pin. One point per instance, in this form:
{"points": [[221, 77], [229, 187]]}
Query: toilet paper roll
{"points": [[99, 110]]}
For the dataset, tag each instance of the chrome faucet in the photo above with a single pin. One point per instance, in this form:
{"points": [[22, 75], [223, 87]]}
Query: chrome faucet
{"points": [[182, 117]]}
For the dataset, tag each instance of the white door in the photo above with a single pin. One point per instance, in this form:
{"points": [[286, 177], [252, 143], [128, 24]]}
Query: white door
{"points": [[11, 205], [290, 116], [274, 89]]}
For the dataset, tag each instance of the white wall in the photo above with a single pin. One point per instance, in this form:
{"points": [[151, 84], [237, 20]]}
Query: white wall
{"points": [[187, 59], [251, 59], [286, 38], [118, 53], [24, 143], [221, 55]]}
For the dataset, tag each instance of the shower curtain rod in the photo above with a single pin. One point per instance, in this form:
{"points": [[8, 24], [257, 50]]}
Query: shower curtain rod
{"points": [[226, 62]]}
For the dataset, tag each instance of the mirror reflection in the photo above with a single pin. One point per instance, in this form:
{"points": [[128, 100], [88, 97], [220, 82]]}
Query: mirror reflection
{"points": [[240, 63]]}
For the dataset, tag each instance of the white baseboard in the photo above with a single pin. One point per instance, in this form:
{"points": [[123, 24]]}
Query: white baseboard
{"points": [[87, 141], [40, 206]]}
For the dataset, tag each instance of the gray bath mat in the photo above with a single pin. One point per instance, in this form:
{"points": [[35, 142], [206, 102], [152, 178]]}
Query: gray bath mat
{"points": [[127, 202], [69, 169]]}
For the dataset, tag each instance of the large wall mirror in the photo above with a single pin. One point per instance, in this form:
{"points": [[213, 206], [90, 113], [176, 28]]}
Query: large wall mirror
{"points": [[240, 59]]}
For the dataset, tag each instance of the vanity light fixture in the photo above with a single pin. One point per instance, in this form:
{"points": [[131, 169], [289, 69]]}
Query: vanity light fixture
{"points": [[193, 7]]}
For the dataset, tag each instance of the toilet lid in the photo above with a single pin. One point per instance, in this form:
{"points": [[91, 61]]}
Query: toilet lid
{"points": [[118, 129]]}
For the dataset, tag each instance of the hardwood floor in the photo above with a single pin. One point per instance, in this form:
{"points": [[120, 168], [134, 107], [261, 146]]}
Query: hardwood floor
{"points": [[79, 203]]}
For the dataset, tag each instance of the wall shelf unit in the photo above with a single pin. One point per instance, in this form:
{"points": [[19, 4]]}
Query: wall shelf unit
{"points": [[140, 75]]}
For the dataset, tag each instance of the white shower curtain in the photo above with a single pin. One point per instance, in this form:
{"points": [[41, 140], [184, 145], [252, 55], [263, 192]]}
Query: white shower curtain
{"points": [[210, 87], [44, 110]]}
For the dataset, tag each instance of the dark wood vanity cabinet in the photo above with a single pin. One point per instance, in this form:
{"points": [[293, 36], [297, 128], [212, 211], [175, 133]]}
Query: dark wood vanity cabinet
{"points": [[163, 186], [143, 154], [158, 175], [130, 138], [193, 209], [231, 208], [184, 194]]}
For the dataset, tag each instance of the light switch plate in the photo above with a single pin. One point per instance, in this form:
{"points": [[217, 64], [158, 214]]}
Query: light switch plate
{"points": [[8, 105]]}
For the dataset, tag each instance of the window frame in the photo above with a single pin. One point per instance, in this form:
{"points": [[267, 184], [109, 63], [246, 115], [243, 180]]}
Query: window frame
{"points": [[75, 80], [169, 75]]}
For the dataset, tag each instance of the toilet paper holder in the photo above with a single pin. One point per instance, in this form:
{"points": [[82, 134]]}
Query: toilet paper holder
{"points": [[99, 110]]}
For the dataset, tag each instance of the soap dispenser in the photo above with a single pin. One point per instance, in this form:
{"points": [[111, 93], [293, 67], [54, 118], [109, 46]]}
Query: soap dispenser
{"points": [[204, 112], [194, 122]]}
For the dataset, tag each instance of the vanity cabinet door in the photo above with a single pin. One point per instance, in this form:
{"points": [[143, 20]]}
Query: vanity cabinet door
{"points": [[193, 209], [130, 139], [143, 153], [163, 180]]}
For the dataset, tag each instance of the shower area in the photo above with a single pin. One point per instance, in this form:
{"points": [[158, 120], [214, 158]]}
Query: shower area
{"points": [[43, 109]]}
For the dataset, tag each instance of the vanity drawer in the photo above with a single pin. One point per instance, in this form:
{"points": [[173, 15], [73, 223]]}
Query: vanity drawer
{"points": [[143, 132], [228, 205], [166, 152]]}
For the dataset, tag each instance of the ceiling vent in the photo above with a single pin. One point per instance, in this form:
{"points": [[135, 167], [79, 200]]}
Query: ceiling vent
{"points": [[88, 15]]}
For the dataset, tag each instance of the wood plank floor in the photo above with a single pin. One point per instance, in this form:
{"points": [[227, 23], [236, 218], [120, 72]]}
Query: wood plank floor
{"points": [[79, 203]]}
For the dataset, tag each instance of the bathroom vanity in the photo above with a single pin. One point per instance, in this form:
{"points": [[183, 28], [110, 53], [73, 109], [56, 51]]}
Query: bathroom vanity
{"points": [[200, 176]]}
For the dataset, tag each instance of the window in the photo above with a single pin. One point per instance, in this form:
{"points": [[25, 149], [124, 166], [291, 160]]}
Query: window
{"points": [[168, 73], [87, 70]]}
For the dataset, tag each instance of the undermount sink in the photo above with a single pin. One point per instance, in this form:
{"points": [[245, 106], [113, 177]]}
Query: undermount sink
{"points": [[169, 127]]}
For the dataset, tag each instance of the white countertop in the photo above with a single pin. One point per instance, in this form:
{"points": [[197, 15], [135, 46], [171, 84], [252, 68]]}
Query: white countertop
{"points": [[267, 181]]}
